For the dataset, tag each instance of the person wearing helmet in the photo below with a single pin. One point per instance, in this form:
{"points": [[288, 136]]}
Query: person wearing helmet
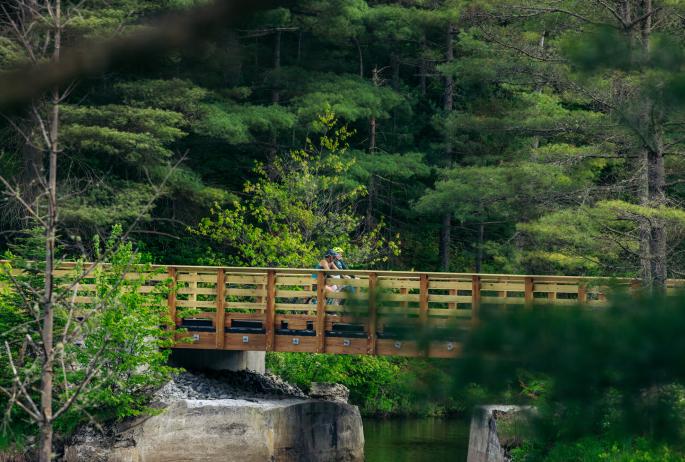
{"points": [[338, 259]]}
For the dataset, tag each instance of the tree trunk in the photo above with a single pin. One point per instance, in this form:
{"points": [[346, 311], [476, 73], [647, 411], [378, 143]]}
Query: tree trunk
{"points": [[653, 259], [372, 134], [360, 55], [445, 240], [370, 221], [275, 93], [448, 105], [479, 255], [423, 66], [47, 373]]}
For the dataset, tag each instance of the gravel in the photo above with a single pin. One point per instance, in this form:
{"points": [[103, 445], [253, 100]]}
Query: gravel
{"points": [[210, 385]]}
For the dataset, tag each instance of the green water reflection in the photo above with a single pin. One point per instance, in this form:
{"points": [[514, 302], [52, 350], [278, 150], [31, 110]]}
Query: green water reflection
{"points": [[416, 440]]}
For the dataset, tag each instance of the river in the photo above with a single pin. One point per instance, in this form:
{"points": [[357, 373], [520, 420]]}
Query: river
{"points": [[416, 440]]}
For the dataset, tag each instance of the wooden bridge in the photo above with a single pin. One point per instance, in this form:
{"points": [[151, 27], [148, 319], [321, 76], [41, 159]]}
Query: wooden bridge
{"points": [[352, 312]]}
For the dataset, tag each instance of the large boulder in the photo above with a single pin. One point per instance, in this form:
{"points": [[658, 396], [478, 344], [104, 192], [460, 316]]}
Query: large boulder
{"points": [[329, 392], [232, 429]]}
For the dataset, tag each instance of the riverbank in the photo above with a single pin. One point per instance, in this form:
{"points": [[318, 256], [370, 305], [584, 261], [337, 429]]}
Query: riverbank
{"points": [[380, 386]]}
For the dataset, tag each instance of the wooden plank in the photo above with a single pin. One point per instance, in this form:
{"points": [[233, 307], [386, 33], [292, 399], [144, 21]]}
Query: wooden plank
{"points": [[346, 295], [245, 305], [245, 280], [452, 285], [498, 286], [293, 343], [342, 346], [320, 311], [195, 278], [445, 349], [528, 292], [219, 320], [255, 342], [294, 280], [560, 288], [196, 303], [283, 293], [270, 309], [371, 339], [390, 347], [348, 282], [295, 306], [475, 298], [502, 301], [397, 284], [448, 298], [205, 340], [246, 293]]}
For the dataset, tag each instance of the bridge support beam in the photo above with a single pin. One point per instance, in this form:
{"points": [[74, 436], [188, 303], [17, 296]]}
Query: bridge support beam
{"points": [[218, 360]]}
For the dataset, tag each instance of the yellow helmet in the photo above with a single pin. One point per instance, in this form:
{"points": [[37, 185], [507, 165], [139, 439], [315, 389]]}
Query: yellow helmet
{"points": [[338, 250]]}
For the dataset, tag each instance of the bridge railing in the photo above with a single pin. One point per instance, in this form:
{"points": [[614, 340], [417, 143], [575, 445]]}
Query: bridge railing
{"points": [[355, 312]]}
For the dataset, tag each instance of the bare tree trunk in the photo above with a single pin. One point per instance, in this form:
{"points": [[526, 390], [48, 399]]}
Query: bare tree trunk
{"points": [[370, 220], [479, 255], [275, 93], [448, 105], [645, 228], [653, 259], [372, 134], [445, 240], [423, 66], [47, 373], [376, 80]]}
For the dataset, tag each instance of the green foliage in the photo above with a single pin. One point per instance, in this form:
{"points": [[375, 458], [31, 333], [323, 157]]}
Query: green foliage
{"points": [[299, 206], [593, 449], [236, 123], [613, 372], [378, 385], [115, 357], [348, 96]]}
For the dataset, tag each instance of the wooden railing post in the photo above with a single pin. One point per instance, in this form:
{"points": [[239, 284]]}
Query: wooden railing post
{"points": [[475, 297], [423, 299], [371, 345], [171, 299], [220, 316], [320, 311], [528, 291], [270, 318], [582, 293]]}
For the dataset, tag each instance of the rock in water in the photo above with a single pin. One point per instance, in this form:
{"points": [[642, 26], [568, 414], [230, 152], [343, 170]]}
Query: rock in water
{"points": [[329, 392], [258, 428]]}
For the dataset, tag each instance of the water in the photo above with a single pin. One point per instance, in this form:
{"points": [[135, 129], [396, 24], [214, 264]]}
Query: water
{"points": [[416, 440]]}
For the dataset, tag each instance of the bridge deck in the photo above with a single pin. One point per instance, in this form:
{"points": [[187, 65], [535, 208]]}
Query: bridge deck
{"points": [[351, 312]]}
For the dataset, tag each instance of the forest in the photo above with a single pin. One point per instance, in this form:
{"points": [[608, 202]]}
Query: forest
{"points": [[512, 136], [518, 137]]}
